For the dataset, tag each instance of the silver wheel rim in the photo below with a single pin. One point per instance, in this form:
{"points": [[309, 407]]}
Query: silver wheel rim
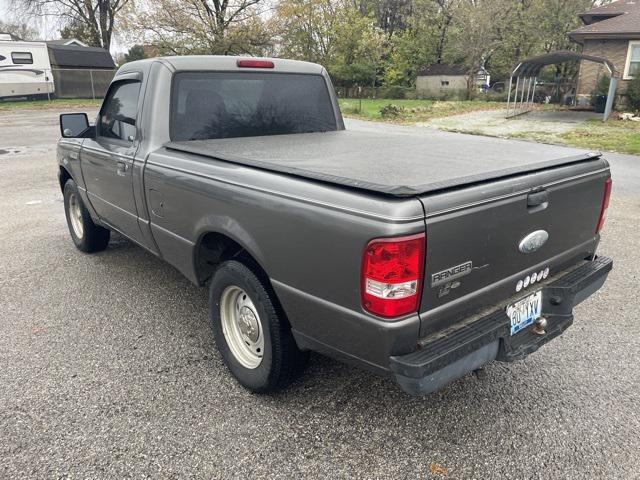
{"points": [[242, 327], [75, 215]]}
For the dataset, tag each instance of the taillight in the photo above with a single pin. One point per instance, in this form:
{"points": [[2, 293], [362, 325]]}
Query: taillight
{"points": [[605, 204], [392, 271], [255, 64]]}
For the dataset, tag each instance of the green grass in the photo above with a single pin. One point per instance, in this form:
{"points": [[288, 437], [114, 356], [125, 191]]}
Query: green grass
{"points": [[46, 104], [613, 136], [410, 111]]}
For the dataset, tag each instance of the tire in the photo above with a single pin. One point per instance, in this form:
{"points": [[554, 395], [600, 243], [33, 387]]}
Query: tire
{"points": [[257, 346], [86, 235]]}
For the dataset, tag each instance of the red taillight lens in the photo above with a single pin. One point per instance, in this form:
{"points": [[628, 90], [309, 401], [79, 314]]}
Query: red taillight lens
{"points": [[255, 64], [392, 271], [605, 204]]}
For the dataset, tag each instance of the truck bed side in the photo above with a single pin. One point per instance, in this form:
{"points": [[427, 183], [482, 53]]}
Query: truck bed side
{"points": [[309, 239]]}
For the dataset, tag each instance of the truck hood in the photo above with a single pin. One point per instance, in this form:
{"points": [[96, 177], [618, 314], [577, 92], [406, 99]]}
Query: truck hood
{"points": [[400, 162]]}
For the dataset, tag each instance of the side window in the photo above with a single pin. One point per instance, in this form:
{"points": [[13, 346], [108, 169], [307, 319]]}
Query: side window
{"points": [[119, 112], [633, 68], [22, 58]]}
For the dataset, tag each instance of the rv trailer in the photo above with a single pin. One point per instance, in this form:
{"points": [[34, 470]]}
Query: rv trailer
{"points": [[25, 70]]}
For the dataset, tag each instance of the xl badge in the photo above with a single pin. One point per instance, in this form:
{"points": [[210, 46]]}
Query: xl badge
{"points": [[451, 273], [533, 241]]}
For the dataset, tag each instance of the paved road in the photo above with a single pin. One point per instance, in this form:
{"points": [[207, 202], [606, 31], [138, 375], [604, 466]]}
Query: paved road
{"points": [[108, 369]]}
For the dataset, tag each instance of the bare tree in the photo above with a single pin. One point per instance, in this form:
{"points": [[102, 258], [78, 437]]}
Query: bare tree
{"points": [[223, 27], [443, 21], [391, 15], [20, 30], [98, 17]]}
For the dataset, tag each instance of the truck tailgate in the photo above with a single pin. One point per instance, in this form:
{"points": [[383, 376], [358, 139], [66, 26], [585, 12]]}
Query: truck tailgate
{"points": [[474, 258]]}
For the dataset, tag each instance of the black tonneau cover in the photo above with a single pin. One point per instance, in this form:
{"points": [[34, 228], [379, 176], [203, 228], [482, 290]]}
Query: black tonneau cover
{"points": [[400, 162]]}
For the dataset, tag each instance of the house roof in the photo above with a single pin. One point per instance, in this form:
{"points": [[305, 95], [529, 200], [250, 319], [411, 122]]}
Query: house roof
{"points": [[621, 6], [9, 36], [437, 69], [67, 41], [616, 20], [70, 56]]}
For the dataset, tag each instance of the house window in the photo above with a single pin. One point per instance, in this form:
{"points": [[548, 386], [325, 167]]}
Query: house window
{"points": [[632, 68], [22, 58], [444, 83]]}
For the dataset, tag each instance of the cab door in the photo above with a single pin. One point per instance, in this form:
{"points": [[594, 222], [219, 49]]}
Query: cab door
{"points": [[107, 159]]}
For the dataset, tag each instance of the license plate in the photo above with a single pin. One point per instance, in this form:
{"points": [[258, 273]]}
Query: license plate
{"points": [[524, 312]]}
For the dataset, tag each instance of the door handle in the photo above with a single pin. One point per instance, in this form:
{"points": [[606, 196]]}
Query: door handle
{"points": [[122, 168], [537, 201]]}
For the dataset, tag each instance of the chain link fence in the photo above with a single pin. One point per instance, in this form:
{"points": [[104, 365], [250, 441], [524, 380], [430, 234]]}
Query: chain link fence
{"points": [[81, 83]]}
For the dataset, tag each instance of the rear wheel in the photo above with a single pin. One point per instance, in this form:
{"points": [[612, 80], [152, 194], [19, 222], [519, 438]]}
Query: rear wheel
{"points": [[251, 331], [86, 235]]}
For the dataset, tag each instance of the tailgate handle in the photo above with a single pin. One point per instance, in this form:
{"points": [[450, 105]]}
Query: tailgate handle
{"points": [[537, 201]]}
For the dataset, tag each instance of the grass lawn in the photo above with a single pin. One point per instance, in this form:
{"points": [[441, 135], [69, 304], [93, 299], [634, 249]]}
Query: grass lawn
{"points": [[614, 136], [46, 104], [410, 111]]}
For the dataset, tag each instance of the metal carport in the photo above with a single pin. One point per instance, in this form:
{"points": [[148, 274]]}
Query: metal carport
{"points": [[526, 75]]}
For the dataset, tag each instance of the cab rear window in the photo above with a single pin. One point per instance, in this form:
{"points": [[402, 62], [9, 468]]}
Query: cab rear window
{"points": [[209, 105]]}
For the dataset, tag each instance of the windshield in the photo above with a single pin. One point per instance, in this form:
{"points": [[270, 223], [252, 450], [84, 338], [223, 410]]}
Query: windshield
{"points": [[208, 105]]}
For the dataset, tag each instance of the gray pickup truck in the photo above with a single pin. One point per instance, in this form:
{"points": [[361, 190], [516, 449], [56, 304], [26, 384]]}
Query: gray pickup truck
{"points": [[418, 255]]}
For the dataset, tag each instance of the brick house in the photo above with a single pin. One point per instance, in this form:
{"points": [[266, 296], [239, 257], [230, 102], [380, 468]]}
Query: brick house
{"points": [[610, 31]]}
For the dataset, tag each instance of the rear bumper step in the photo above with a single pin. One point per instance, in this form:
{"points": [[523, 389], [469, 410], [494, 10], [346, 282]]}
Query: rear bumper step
{"points": [[446, 356]]}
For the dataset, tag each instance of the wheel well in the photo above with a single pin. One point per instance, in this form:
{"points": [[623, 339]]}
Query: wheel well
{"points": [[63, 176], [214, 248]]}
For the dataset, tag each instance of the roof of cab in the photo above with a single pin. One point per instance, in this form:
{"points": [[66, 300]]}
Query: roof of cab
{"points": [[222, 62]]}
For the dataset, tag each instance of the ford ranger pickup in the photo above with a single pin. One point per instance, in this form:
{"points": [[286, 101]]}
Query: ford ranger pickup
{"points": [[418, 254]]}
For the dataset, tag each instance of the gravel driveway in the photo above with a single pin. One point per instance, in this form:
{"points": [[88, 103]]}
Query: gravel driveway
{"points": [[108, 369], [494, 123]]}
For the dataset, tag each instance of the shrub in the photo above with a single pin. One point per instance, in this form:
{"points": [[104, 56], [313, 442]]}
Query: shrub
{"points": [[602, 88], [493, 97], [633, 93], [417, 95], [456, 95], [393, 91], [392, 111]]}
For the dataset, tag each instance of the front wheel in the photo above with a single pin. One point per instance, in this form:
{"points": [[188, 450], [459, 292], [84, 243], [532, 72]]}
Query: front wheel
{"points": [[86, 235], [251, 331]]}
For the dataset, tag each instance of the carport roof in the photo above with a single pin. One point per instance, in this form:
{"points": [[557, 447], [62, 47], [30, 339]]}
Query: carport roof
{"points": [[532, 66]]}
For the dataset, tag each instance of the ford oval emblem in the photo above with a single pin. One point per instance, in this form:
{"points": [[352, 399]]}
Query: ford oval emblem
{"points": [[533, 241]]}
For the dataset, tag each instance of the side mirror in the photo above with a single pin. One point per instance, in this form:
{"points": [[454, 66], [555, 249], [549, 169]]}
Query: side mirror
{"points": [[73, 125]]}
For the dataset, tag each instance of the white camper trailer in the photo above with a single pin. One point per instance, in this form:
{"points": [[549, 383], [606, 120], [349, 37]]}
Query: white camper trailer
{"points": [[25, 70]]}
